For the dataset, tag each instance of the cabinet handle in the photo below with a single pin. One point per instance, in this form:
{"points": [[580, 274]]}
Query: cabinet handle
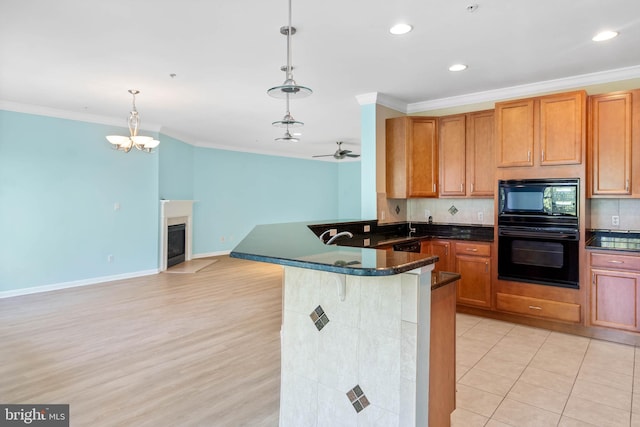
{"points": [[461, 187], [472, 187], [535, 307], [486, 266], [613, 261], [593, 278], [528, 156], [446, 251], [542, 155], [434, 188], [626, 188], [472, 249]]}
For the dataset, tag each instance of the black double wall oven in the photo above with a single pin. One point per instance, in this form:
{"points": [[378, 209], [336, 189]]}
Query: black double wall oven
{"points": [[538, 231]]}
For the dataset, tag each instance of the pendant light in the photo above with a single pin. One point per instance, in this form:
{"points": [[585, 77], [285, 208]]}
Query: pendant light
{"points": [[288, 120], [289, 87], [126, 143]]}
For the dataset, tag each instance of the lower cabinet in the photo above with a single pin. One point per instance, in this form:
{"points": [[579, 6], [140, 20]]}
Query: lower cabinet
{"points": [[442, 356], [615, 291], [540, 307], [473, 263], [441, 248]]}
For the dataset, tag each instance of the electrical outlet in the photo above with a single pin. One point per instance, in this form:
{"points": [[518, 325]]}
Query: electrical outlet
{"points": [[109, 259], [333, 232], [116, 206], [222, 239], [615, 220], [481, 217]]}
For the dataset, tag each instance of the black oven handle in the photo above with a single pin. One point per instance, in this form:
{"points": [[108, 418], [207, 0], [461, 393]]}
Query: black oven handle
{"points": [[537, 234]]}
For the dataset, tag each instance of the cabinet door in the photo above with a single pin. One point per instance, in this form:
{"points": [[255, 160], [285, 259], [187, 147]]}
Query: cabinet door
{"points": [[474, 286], [610, 144], [514, 133], [452, 147], [562, 128], [614, 299], [442, 249], [481, 154], [423, 158]]}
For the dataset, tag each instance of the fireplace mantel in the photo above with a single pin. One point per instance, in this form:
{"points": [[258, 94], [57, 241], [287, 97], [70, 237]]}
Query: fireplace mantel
{"points": [[175, 212]]}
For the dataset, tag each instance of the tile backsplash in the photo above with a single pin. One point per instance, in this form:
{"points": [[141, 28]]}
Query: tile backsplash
{"points": [[457, 211], [627, 210]]}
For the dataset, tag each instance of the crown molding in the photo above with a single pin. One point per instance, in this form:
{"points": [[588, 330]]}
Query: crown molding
{"points": [[382, 99], [528, 89], [71, 115]]}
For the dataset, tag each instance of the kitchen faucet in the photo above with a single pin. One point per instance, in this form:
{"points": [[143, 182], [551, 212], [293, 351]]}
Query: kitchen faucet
{"points": [[411, 229], [342, 233]]}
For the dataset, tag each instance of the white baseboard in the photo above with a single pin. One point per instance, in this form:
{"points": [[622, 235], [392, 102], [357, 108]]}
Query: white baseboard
{"points": [[75, 283], [208, 254]]}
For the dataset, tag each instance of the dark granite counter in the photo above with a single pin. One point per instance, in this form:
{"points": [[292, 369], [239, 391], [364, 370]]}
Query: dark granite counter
{"points": [[381, 235], [295, 244], [442, 278], [613, 240]]}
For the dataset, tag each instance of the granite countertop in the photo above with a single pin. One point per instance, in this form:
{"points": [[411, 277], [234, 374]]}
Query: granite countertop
{"points": [[384, 235], [613, 240], [295, 244], [443, 278]]}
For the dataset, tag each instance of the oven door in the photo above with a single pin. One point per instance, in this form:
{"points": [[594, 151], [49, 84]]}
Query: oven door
{"points": [[543, 256]]}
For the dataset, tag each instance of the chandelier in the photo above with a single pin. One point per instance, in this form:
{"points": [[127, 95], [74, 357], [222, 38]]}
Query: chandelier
{"points": [[126, 143], [289, 89]]}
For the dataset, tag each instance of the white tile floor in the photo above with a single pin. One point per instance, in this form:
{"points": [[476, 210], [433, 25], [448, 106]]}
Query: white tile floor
{"points": [[518, 376]]}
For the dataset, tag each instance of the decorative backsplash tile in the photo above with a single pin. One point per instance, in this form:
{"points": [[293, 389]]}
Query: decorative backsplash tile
{"points": [[319, 318], [453, 210], [357, 398]]}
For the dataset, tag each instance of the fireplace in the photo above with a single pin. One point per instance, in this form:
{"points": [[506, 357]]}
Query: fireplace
{"points": [[176, 244], [175, 213]]}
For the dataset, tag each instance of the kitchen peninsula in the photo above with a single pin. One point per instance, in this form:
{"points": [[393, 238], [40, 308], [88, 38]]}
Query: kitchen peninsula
{"points": [[357, 331]]}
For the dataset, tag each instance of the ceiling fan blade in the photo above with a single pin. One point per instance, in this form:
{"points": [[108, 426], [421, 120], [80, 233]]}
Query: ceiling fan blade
{"points": [[345, 151], [325, 155], [353, 155]]}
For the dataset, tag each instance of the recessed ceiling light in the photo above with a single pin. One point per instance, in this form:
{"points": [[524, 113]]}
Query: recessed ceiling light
{"points": [[400, 29], [457, 67], [604, 35]]}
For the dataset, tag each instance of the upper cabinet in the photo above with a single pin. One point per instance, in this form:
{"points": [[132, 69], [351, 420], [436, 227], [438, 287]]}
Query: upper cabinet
{"points": [[613, 124], [543, 131], [411, 157], [466, 154]]}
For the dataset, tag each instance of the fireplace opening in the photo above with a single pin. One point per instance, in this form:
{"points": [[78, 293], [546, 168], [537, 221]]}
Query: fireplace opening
{"points": [[176, 244]]}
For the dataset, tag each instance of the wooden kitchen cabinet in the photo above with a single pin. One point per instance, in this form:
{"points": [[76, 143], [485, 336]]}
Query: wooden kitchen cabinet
{"points": [[452, 148], [411, 157], [466, 154], [481, 158], [543, 131], [613, 118], [473, 263], [615, 291], [441, 248]]}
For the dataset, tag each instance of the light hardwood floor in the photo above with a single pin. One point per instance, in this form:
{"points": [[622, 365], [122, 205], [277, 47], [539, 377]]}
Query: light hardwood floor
{"points": [[197, 349]]}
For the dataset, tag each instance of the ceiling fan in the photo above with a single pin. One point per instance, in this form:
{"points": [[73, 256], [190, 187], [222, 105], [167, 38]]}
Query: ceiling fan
{"points": [[340, 153]]}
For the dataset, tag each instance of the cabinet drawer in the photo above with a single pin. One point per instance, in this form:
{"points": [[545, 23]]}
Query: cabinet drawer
{"points": [[613, 261], [538, 307], [480, 249]]}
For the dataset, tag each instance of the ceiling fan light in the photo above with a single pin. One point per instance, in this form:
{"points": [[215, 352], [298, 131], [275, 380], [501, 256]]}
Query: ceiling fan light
{"points": [[288, 122]]}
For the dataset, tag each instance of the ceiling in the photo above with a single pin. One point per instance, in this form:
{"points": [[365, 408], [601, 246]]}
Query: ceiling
{"points": [[78, 59]]}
